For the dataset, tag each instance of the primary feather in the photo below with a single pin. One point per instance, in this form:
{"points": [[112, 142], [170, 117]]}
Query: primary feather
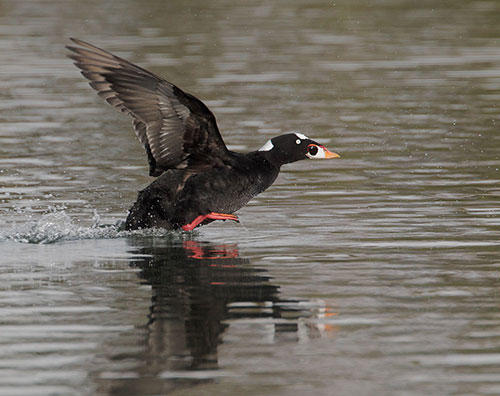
{"points": [[176, 129]]}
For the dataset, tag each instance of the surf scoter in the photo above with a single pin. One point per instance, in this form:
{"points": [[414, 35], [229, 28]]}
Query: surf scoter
{"points": [[199, 179]]}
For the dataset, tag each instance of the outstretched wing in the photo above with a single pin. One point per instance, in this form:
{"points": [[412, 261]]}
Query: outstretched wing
{"points": [[177, 129]]}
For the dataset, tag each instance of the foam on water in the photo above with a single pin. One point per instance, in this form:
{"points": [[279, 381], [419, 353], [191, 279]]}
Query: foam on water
{"points": [[59, 226]]}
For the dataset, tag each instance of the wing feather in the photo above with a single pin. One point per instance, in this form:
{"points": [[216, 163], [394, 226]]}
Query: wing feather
{"points": [[176, 129]]}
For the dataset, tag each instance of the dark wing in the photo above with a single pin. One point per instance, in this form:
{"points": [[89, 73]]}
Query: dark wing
{"points": [[177, 129]]}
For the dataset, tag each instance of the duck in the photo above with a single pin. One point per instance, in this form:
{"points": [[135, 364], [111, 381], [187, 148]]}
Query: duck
{"points": [[198, 179]]}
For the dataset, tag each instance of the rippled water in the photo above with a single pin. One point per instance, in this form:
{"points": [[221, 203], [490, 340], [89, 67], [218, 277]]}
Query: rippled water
{"points": [[374, 274]]}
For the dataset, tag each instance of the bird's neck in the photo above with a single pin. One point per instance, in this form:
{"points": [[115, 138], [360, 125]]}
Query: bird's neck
{"points": [[276, 158], [268, 159]]}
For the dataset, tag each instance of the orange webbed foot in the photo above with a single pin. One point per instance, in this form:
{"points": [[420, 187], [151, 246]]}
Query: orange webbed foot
{"points": [[212, 216]]}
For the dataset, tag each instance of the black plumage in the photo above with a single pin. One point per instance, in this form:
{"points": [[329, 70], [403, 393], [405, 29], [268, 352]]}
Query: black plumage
{"points": [[200, 180]]}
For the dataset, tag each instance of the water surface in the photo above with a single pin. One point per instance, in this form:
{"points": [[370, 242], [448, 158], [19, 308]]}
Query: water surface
{"points": [[373, 274]]}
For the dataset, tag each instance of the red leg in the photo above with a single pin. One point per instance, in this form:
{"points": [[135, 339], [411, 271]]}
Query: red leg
{"points": [[213, 216]]}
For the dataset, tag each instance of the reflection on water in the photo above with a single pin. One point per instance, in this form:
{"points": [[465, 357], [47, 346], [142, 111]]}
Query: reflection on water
{"points": [[199, 290]]}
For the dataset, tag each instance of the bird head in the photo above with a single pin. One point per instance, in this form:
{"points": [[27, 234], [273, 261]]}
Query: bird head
{"points": [[293, 147]]}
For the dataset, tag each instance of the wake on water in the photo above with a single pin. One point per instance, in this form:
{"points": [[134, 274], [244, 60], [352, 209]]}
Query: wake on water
{"points": [[58, 226]]}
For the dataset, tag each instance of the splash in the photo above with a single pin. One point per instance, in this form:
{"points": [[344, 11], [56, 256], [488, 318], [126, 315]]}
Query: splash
{"points": [[58, 226]]}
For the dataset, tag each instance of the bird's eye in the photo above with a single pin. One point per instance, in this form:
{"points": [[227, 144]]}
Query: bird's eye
{"points": [[298, 141], [313, 150]]}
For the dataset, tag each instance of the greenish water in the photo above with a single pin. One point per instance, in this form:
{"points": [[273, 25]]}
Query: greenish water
{"points": [[374, 274]]}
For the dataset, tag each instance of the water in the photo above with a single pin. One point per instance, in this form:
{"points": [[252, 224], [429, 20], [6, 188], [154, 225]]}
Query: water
{"points": [[374, 274]]}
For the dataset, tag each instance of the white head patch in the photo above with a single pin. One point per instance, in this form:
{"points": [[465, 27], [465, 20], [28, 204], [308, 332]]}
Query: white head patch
{"points": [[301, 136], [267, 147]]}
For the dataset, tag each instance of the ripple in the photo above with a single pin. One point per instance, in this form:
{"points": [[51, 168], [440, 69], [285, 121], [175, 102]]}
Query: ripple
{"points": [[483, 359]]}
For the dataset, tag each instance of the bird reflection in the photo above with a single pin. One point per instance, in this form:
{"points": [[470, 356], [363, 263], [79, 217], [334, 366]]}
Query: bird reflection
{"points": [[197, 289]]}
